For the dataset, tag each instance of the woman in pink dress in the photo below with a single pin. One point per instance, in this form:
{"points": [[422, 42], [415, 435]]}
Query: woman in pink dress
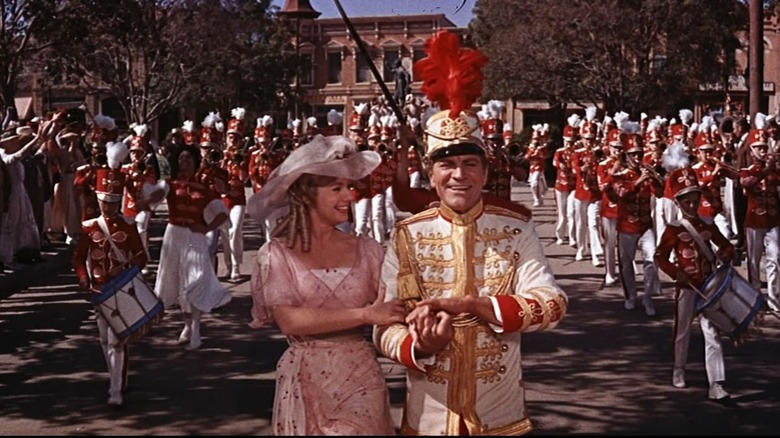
{"points": [[321, 288]]}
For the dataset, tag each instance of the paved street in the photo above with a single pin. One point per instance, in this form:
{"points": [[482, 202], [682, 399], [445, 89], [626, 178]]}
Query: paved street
{"points": [[603, 370]]}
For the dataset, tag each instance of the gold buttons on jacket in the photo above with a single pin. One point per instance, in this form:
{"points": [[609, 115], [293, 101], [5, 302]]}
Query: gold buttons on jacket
{"points": [[504, 348], [502, 369]]}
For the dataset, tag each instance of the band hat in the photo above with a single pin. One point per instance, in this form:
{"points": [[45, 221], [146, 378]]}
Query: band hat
{"points": [[335, 156], [682, 181]]}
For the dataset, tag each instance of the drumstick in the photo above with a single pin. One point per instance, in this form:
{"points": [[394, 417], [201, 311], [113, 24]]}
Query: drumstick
{"points": [[695, 289]]}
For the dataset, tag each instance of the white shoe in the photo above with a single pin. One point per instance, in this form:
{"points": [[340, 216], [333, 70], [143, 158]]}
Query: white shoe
{"points": [[717, 392], [678, 378], [194, 340], [536, 203], [115, 400], [559, 241], [185, 335], [630, 304], [597, 263], [235, 275], [572, 243], [649, 308], [609, 280], [580, 256]]}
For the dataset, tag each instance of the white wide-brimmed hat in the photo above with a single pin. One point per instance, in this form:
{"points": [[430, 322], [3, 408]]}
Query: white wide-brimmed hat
{"points": [[335, 156], [20, 132]]}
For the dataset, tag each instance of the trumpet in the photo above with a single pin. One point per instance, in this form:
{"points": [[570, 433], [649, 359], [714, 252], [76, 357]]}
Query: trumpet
{"points": [[653, 174], [724, 165]]}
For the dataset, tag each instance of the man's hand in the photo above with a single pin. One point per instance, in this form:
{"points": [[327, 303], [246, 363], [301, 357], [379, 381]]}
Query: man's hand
{"points": [[431, 330], [84, 284]]}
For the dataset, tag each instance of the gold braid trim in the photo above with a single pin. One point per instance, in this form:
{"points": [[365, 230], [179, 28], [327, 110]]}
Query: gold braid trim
{"points": [[409, 289], [544, 309]]}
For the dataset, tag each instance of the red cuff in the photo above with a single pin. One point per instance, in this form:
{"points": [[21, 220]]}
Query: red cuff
{"points": [[510, 313], [405, 353]]}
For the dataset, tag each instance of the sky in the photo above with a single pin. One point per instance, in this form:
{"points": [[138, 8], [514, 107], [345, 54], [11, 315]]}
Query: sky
{"points": [[356, 8]]}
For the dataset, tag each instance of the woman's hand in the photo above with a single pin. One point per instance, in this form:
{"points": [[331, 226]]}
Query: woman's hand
{"points": [[385, 313]]}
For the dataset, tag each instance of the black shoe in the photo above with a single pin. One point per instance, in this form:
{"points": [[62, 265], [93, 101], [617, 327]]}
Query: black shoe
{"points": [[727, 402]]}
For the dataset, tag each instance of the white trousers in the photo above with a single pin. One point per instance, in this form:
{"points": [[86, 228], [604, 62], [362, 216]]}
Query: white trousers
{"points": [[362, 219], [763, 241], [588, 220], [538, 187], [627, 246], [390, 209], [713, 350], [564, 205], [415, 180], [378, 217], [233, 238], [142, 225], [610, 244], [115, 355]]}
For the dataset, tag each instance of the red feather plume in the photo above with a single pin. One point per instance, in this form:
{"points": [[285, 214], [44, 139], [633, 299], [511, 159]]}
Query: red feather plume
{"points": [[452, 75]]}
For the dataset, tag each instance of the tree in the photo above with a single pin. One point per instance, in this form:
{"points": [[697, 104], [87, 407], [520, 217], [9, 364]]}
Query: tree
{"points": [[157, 55], [25, 23], [627, 55]]}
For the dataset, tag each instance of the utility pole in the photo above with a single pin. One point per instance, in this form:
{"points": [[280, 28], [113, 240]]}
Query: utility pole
{"points": [[756, 57]]}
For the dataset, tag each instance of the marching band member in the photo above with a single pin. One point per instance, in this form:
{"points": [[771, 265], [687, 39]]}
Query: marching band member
{"points": [[711, 175], [363, 190], [609, 208], [237, 170], [694, 265], [634, 186], [536, 156], [655, 145], [263, 159], [103, 131], [463, 295], [108, 244], [137, 174], [501, 167], [389, 139], [415, 167], [762, 223], [586, 191], [565, 181], [210, 173]]}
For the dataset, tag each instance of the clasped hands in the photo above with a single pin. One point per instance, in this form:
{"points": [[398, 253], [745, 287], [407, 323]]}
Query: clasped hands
{"points": [[430, 323]]}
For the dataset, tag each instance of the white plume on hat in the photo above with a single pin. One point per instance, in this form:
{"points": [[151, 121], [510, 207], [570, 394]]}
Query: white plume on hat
{"points": [[706, 124], [620, 118], [105, 122], [630, 127], [483, 113], [413, 122], [573, 120], [116, 152], [654, 124], [374, 120], [643, 116], [311, 121], [693, 129], [362, 108], [674, 157], [140, 130], [219, 125], [268, 120], [590, 113], [495, 108], [760, 122], [686, 116], [210, 120], [389, 121], [335, 117], [188, 125], [238, 113]]}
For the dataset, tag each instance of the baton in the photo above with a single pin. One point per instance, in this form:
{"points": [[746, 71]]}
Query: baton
{"points": [[363, 51]]}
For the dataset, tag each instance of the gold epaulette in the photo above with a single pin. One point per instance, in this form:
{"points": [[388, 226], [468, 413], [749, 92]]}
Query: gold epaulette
{"points": [[421, 216], [501, 211]]}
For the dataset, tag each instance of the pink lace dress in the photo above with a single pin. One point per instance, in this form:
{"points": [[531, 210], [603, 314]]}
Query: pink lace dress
{"points": [[330, 384]]}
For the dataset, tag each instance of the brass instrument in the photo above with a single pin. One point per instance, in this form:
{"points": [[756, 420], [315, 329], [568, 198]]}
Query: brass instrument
{"points": [[724, 165], [513, 151], [653, 174]]}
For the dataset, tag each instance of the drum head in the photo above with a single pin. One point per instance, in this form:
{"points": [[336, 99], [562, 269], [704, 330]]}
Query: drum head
{"points": [[115, 284], [714, 287]]}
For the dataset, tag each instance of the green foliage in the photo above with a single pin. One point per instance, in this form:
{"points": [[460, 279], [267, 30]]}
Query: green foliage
{"points": [[157, 55], [628, 55]]}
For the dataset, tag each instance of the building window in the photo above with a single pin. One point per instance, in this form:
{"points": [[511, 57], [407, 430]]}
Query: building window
{"points": [[391, 57], [417, 54], [362, 70], [307, 69], [334, 67]]}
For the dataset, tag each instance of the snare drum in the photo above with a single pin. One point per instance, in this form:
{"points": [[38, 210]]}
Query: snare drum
{"points": [[129, 306], [729, 301]]}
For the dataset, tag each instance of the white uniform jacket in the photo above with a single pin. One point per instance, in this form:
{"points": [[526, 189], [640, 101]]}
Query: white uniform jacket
{"points": [[477, 380]]}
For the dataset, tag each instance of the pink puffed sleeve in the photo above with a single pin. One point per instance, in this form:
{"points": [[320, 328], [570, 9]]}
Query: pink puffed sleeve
{"points": [[273, 283]]}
